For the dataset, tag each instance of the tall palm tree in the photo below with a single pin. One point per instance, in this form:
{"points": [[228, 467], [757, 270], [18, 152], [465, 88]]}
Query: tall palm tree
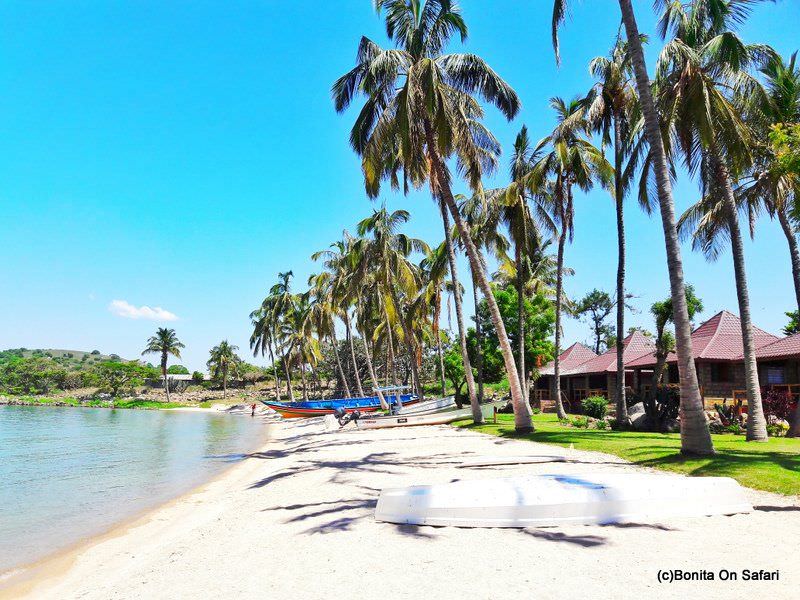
{"points": [[323, 316], [766, 184], [387, 252], [613, 113], [514, 210], [571, 160], [697, 68], [695, 435], [420, 111], [222, 362], [164, 342], [434, 268], [337, 260]]}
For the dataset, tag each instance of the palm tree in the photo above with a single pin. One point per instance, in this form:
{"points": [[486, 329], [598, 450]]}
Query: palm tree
{"points": [[612, 112], [697, 68], [419, 112], [766, 183], [695, 435], [164, 342], [487, 237], [337, 261], [323, 315], [222, 362], [387, 252], [572, 160], [434, 269]]}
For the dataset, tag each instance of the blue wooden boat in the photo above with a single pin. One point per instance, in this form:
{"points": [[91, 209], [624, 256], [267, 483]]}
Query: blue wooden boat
{"points": [[313, 408]]}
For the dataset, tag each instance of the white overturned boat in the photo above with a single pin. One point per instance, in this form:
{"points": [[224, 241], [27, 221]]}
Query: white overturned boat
{"points": [[427, 406], [550, 500], [434, 418]]}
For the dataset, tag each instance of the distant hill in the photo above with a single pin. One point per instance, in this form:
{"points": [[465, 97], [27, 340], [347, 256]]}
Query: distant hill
{"points": [[68, 358]]}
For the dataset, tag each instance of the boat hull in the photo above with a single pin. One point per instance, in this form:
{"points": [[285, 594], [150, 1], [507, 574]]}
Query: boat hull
{"points": [[427, 406], [551, 500], [299, 410], [437, 418]]}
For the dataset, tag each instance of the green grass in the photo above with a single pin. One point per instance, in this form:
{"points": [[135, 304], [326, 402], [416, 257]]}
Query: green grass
{"points": [[68, 401], [773, 466]]}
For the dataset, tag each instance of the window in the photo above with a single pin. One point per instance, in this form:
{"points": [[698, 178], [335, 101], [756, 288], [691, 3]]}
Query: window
{"points": [[775, 375], [720, 372]]}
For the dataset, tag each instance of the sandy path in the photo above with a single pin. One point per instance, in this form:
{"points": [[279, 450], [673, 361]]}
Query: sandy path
{"points": [[295, 521]]}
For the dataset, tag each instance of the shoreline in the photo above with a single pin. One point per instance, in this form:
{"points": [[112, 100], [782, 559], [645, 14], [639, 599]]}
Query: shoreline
{"points": [[18, 579], [308, 497]]}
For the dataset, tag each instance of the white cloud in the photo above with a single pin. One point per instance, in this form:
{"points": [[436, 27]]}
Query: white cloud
{"points": [[121, 308]]}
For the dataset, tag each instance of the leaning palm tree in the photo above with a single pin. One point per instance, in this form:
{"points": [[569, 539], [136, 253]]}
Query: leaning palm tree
{"points": [[613, 113], [695, 435], [571, 160], [223, 362], [697, 68], [164, 342], [420, 111], [434, 273]]}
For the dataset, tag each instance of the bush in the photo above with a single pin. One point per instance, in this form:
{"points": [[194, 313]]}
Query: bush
{"points": [[579, 422], [595, 407], [601, 424], [777, 429], [198, 377]]}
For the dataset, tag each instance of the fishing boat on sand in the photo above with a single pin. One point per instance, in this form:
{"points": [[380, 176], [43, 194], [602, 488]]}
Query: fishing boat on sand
{"points": [[315, 408]]}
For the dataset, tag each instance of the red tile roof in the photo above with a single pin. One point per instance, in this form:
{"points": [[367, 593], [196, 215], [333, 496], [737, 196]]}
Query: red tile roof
{"points": [[572, 357], [718, 338], [783, 348], [636, 345]]}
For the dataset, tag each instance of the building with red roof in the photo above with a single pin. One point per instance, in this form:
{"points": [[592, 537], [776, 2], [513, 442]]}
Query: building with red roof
{"points": [[718, 354]]}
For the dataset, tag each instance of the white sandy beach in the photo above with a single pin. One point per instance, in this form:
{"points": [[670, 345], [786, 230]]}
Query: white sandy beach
{"points": [[295, 520]]}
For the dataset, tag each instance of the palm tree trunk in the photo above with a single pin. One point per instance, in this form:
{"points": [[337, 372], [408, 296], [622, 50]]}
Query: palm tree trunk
{"points": [[164, 373], [359, 388], [339, 362], [441, 365], [289, 389], [477, 415], [619, 198], [375, 384], [695, 436], [562, 239], [275, 373], [224, 384], [522, 410], [521, 323], [788, 231], [303, 380], [756, 423], [478, 340]]}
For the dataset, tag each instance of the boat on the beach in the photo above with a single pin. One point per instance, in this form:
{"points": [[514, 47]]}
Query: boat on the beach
{"points": [[314, 408], [559, 499], [427, 406], [441, 417]]}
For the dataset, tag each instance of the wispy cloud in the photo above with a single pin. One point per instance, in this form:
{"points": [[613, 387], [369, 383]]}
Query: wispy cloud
{"points": [[121, 308]]}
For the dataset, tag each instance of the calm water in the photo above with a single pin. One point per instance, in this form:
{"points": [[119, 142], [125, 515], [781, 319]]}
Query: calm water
{"points": [[67, 473]]}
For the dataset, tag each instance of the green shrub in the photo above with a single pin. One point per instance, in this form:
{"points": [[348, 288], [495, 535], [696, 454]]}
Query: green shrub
{"points": [[580, 422], [777, 429], [197, 377], [602, 424], [536, 411], [595, 407]]}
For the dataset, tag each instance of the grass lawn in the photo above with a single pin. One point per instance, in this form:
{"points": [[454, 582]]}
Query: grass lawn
{"points": [[773, 466]]}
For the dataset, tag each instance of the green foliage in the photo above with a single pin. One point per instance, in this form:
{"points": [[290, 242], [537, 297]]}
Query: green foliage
{"points": [[177, 370], [595, 406], [785, 140], [793, 326], [198, 377], [595, 307], [38, 375], [454, 369], [580, 422], [540, 321], [114, 376], [601, 424]]}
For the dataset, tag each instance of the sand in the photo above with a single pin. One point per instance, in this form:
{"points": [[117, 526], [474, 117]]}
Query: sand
{"points": [[295, 520]]}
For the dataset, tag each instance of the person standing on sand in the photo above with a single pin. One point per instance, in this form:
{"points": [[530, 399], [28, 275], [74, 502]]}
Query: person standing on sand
{"points": [[253, 409]]}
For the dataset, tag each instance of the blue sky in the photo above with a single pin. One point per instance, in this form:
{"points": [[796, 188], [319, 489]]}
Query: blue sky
{"points": [[178, 155]]}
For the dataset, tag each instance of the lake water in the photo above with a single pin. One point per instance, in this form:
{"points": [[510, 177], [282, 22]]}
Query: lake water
{"points": [[68, 473]]}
